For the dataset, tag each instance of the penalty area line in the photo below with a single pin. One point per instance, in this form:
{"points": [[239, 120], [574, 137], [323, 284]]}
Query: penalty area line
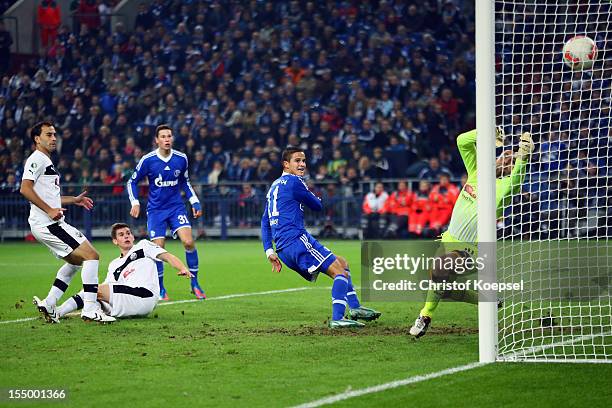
{"points": [[223, 297], [235, 295], [387, 386]]}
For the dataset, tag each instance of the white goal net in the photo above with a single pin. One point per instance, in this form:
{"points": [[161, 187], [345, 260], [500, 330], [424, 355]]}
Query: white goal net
{"points": [[555, 235]]}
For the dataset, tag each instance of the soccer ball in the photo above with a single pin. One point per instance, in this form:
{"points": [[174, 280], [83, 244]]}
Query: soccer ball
{"points": [[579, 53]]}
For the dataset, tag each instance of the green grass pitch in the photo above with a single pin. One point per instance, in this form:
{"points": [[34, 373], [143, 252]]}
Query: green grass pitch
{"points": [[259, 350]]}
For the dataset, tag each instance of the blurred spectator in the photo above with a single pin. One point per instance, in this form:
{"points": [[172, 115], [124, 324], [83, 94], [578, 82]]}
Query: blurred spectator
{"points": [[335, 163], [419, 214], [433, 170], [89, 15], [49, 20], [245, 171], [398, 207], [380, 164], [216, 174], [248, 208], [264, 172], [373, 209], [365, 169], [442, 199], [116, 179], [10, 186]]}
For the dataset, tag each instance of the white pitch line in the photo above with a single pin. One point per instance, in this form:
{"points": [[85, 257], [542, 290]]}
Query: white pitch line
{"points": [[387, 386], [232, 296], [235, 295], [26, 319], [418, 378]]}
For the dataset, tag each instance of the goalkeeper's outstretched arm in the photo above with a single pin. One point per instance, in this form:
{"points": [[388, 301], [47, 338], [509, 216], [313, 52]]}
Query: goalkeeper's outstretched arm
{"points": [[508, 186], [466, 143]]}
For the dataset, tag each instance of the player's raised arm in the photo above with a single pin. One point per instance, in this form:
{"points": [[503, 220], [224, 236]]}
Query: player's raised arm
{"points": [[506, 187], [189, 191], [305, 196], [466, 142], [132, 186]]}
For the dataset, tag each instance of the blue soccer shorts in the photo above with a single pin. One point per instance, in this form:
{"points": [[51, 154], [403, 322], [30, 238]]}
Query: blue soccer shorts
{"points": [[158, 220], [307, 257]]}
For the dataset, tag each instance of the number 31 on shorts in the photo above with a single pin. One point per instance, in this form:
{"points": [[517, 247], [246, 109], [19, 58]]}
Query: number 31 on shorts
{"points": [[182, 219]]}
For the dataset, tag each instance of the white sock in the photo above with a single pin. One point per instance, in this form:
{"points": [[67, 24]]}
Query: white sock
{"points": [[73, 303], [89, 275], [62, 280]]}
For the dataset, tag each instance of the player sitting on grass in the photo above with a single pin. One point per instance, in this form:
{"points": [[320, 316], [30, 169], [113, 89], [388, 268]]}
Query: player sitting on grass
{"points": [[460, 239], [131, 287], [283, 222]]}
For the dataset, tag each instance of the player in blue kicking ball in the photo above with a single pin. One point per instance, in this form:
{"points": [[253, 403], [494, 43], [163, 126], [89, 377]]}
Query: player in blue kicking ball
{"points": [[283, 222], [167, 172]]}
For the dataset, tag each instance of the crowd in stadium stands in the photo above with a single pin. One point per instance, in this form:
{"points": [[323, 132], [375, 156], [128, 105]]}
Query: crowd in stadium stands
{"points": [[371, 90]]}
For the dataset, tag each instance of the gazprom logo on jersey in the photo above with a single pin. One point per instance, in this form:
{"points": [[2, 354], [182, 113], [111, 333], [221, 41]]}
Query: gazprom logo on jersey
{"points": [[160, 183]]}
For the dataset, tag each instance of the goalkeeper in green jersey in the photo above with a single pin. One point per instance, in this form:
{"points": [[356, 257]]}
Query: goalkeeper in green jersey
{"points": [[460, 240]]}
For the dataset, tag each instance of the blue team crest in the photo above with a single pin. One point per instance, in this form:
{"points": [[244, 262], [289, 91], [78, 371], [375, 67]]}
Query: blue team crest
{"points": [[176, 173]]}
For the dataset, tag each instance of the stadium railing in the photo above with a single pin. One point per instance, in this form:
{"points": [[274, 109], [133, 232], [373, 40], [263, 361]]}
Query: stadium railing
{"points": [[227, 213]]}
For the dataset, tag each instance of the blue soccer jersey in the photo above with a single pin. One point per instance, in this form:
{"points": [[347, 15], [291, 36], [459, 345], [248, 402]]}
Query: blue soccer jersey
{"points": [[167, 177], [283, 217], [282, 222]]}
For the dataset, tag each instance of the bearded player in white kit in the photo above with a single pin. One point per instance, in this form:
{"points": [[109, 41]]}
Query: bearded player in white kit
{"points": [[40, 185], [131, 287]]}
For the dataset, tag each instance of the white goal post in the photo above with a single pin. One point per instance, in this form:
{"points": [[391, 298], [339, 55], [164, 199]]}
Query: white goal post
{"points": [[556, 234]]}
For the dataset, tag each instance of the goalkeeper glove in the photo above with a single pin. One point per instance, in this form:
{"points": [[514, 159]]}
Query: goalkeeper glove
{"points": [[526, 147], [499, 136]]}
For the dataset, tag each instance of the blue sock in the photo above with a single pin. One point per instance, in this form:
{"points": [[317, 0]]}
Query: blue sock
{"points": [[192, 263], [160, 273], [351, 295], [339, 289]]}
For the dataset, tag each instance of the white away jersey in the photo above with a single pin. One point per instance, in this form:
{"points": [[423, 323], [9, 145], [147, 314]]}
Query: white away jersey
{"points": [[40, 170], [137, 268]]}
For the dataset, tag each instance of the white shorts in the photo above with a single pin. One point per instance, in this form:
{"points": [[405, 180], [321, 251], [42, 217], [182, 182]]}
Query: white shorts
{"points": [[60, 237], [126, 301]]}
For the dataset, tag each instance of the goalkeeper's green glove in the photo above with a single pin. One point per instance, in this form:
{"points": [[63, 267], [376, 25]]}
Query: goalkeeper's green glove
{"points": [[526, 147], [499, 136]]}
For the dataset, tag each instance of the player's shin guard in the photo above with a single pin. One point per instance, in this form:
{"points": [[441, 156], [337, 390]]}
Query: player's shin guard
{"points": [[89, 275], [192, 263], [351, 295], [339, 289], [160, 273], [70, 305], [62, 280]]}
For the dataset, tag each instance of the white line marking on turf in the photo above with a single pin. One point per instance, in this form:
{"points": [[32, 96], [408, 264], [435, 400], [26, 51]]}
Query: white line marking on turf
{"points": [[411, 380], [235, 295], [26, 319], [387, 386], [232, 296]]}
